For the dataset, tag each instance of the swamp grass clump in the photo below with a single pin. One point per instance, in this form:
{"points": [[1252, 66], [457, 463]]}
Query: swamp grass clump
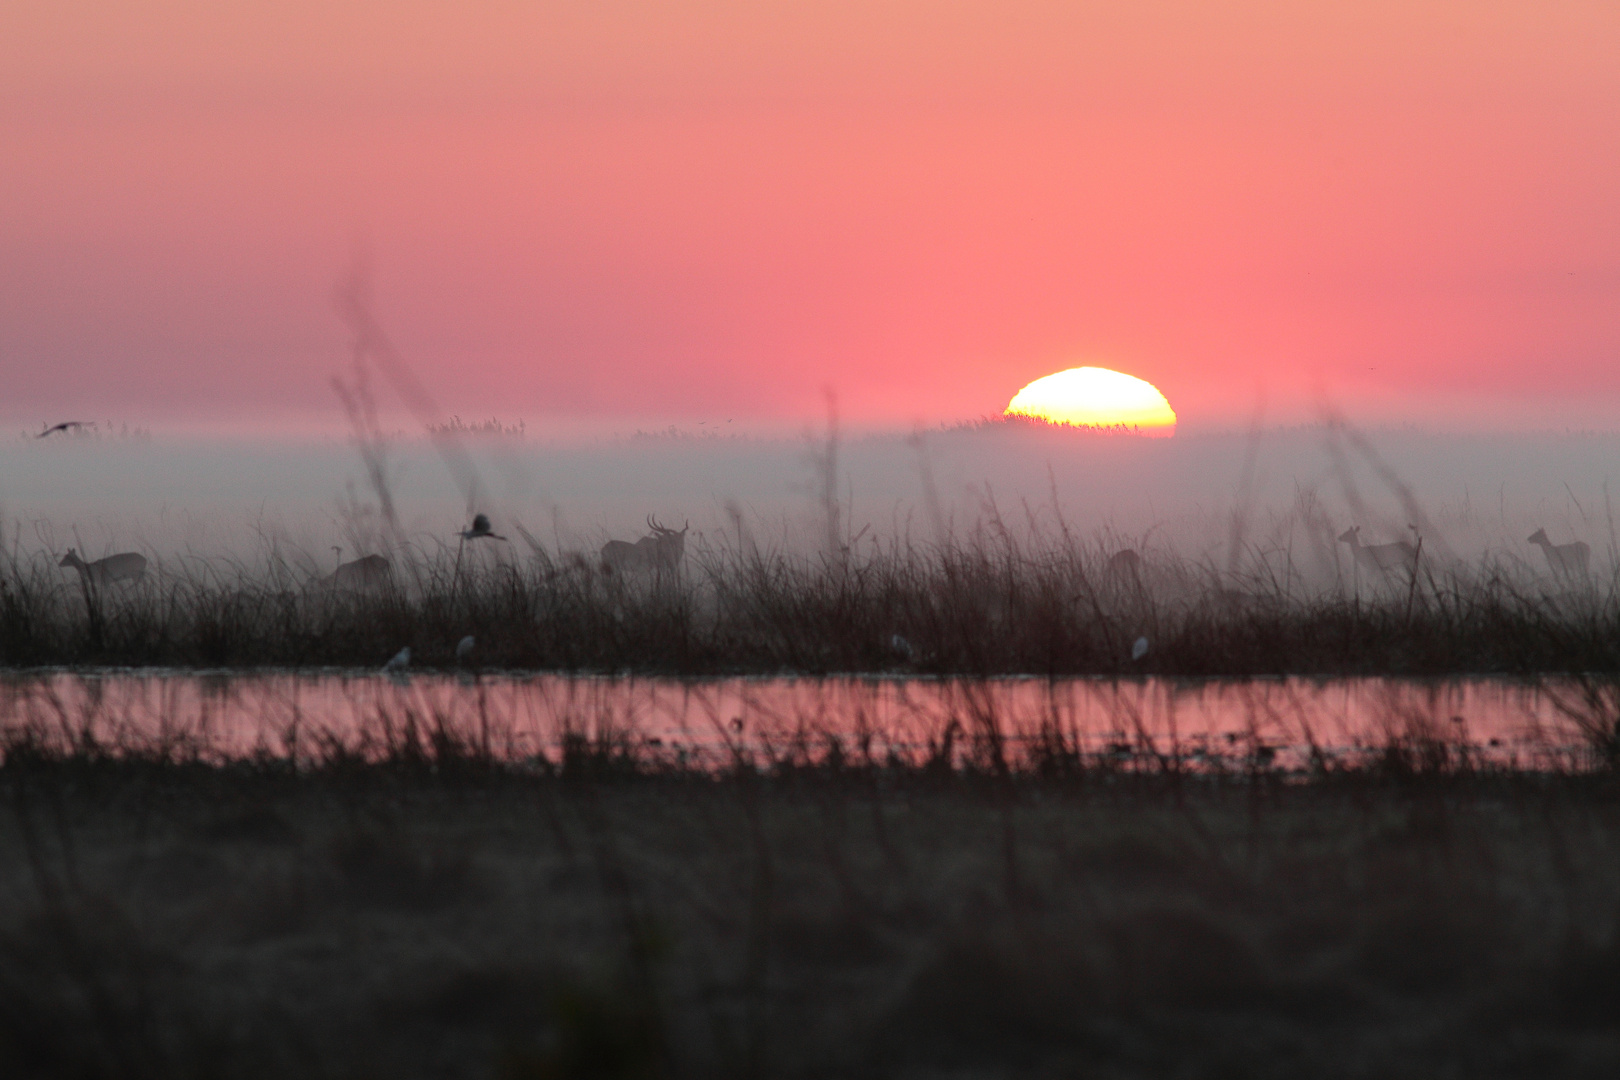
{"points": [[420, 908], [993, 605]]}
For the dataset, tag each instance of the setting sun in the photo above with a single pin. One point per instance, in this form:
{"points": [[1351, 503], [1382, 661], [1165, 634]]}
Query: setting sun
{"points": [[1096, 397]]}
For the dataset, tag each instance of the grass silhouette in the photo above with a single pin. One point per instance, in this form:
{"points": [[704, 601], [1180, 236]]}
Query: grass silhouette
{"points": [[421, 908], [992, 603]]}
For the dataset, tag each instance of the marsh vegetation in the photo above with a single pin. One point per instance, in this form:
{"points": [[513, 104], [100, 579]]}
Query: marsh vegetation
{"points": [[995, 602], [424, 909], [466, 868]]}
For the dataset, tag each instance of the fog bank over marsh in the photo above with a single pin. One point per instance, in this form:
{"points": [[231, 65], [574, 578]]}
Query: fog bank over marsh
{"points": [[1476, 492]]}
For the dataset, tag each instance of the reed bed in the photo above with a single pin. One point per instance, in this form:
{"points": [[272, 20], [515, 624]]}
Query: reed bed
{"points": [[414, 905], [994, 603]]}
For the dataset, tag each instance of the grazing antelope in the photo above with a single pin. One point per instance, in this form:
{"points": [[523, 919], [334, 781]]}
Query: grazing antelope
{"points": [[127, 566], [1125, 563], [1383, 558], [362, 575], [661, 551], [1566, 560], [1125, 567]]}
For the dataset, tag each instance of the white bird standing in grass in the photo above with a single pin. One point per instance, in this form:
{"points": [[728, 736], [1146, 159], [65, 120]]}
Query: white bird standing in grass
{"points": [[1139, 649], [400, 663], [464, 649]]}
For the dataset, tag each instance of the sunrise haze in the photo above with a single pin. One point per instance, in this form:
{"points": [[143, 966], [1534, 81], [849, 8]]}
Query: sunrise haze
{"points": [[621, 214]]}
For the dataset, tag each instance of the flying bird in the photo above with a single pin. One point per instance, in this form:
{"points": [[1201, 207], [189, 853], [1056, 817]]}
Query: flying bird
{"points": [[66, 425], [480, 528]]}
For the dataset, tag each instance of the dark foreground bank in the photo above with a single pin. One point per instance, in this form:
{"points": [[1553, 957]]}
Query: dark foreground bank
{"points": [[423, 918]]}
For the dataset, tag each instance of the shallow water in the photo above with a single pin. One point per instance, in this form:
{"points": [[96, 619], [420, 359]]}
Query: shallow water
{"points": [[1146, 723]]}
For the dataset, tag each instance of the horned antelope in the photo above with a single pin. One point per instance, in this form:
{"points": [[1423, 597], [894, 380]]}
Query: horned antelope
{"points": [[1566, 560], [661, 551], [1382, 558], [127, 566]]}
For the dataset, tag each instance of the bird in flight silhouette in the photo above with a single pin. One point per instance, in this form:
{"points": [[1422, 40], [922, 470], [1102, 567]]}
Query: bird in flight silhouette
{"points": [[66, 425]]}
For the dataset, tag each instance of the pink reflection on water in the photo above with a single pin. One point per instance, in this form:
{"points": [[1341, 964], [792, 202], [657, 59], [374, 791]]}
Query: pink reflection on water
{"points": [[1141, 724]]}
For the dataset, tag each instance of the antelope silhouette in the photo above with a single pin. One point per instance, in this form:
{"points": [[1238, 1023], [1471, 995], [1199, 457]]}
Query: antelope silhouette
{"points": [[1565, 560], [126, 566], [1125, 566], [361, 575], [1383, 558], [661, 551]]}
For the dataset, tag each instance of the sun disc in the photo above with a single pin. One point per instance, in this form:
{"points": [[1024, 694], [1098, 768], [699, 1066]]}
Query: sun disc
{"points": [[1096, 397]]}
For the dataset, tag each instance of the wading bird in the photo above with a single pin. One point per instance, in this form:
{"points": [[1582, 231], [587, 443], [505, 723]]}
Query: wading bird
{"points": [[127, 566], [1566, 560]]}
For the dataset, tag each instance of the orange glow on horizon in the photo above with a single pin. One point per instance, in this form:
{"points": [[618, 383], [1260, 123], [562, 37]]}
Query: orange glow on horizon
{"points": [[1096, 397]]}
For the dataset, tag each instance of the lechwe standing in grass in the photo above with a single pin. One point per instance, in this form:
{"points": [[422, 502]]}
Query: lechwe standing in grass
{"points": [[368, 573], [1566, 560], [1381, 558], [364, 574], [126, 566], [1126, 564]]}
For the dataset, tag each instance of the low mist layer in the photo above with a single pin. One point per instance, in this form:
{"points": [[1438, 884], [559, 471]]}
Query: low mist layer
{"points": [[1196, 495], [998, 548]]}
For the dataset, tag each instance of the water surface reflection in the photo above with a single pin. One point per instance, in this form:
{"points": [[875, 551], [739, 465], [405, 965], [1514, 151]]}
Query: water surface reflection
{"points": [[1285, 723]]}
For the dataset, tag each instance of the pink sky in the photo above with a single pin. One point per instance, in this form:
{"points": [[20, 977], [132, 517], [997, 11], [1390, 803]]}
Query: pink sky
{"points": [[623, 213]]}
